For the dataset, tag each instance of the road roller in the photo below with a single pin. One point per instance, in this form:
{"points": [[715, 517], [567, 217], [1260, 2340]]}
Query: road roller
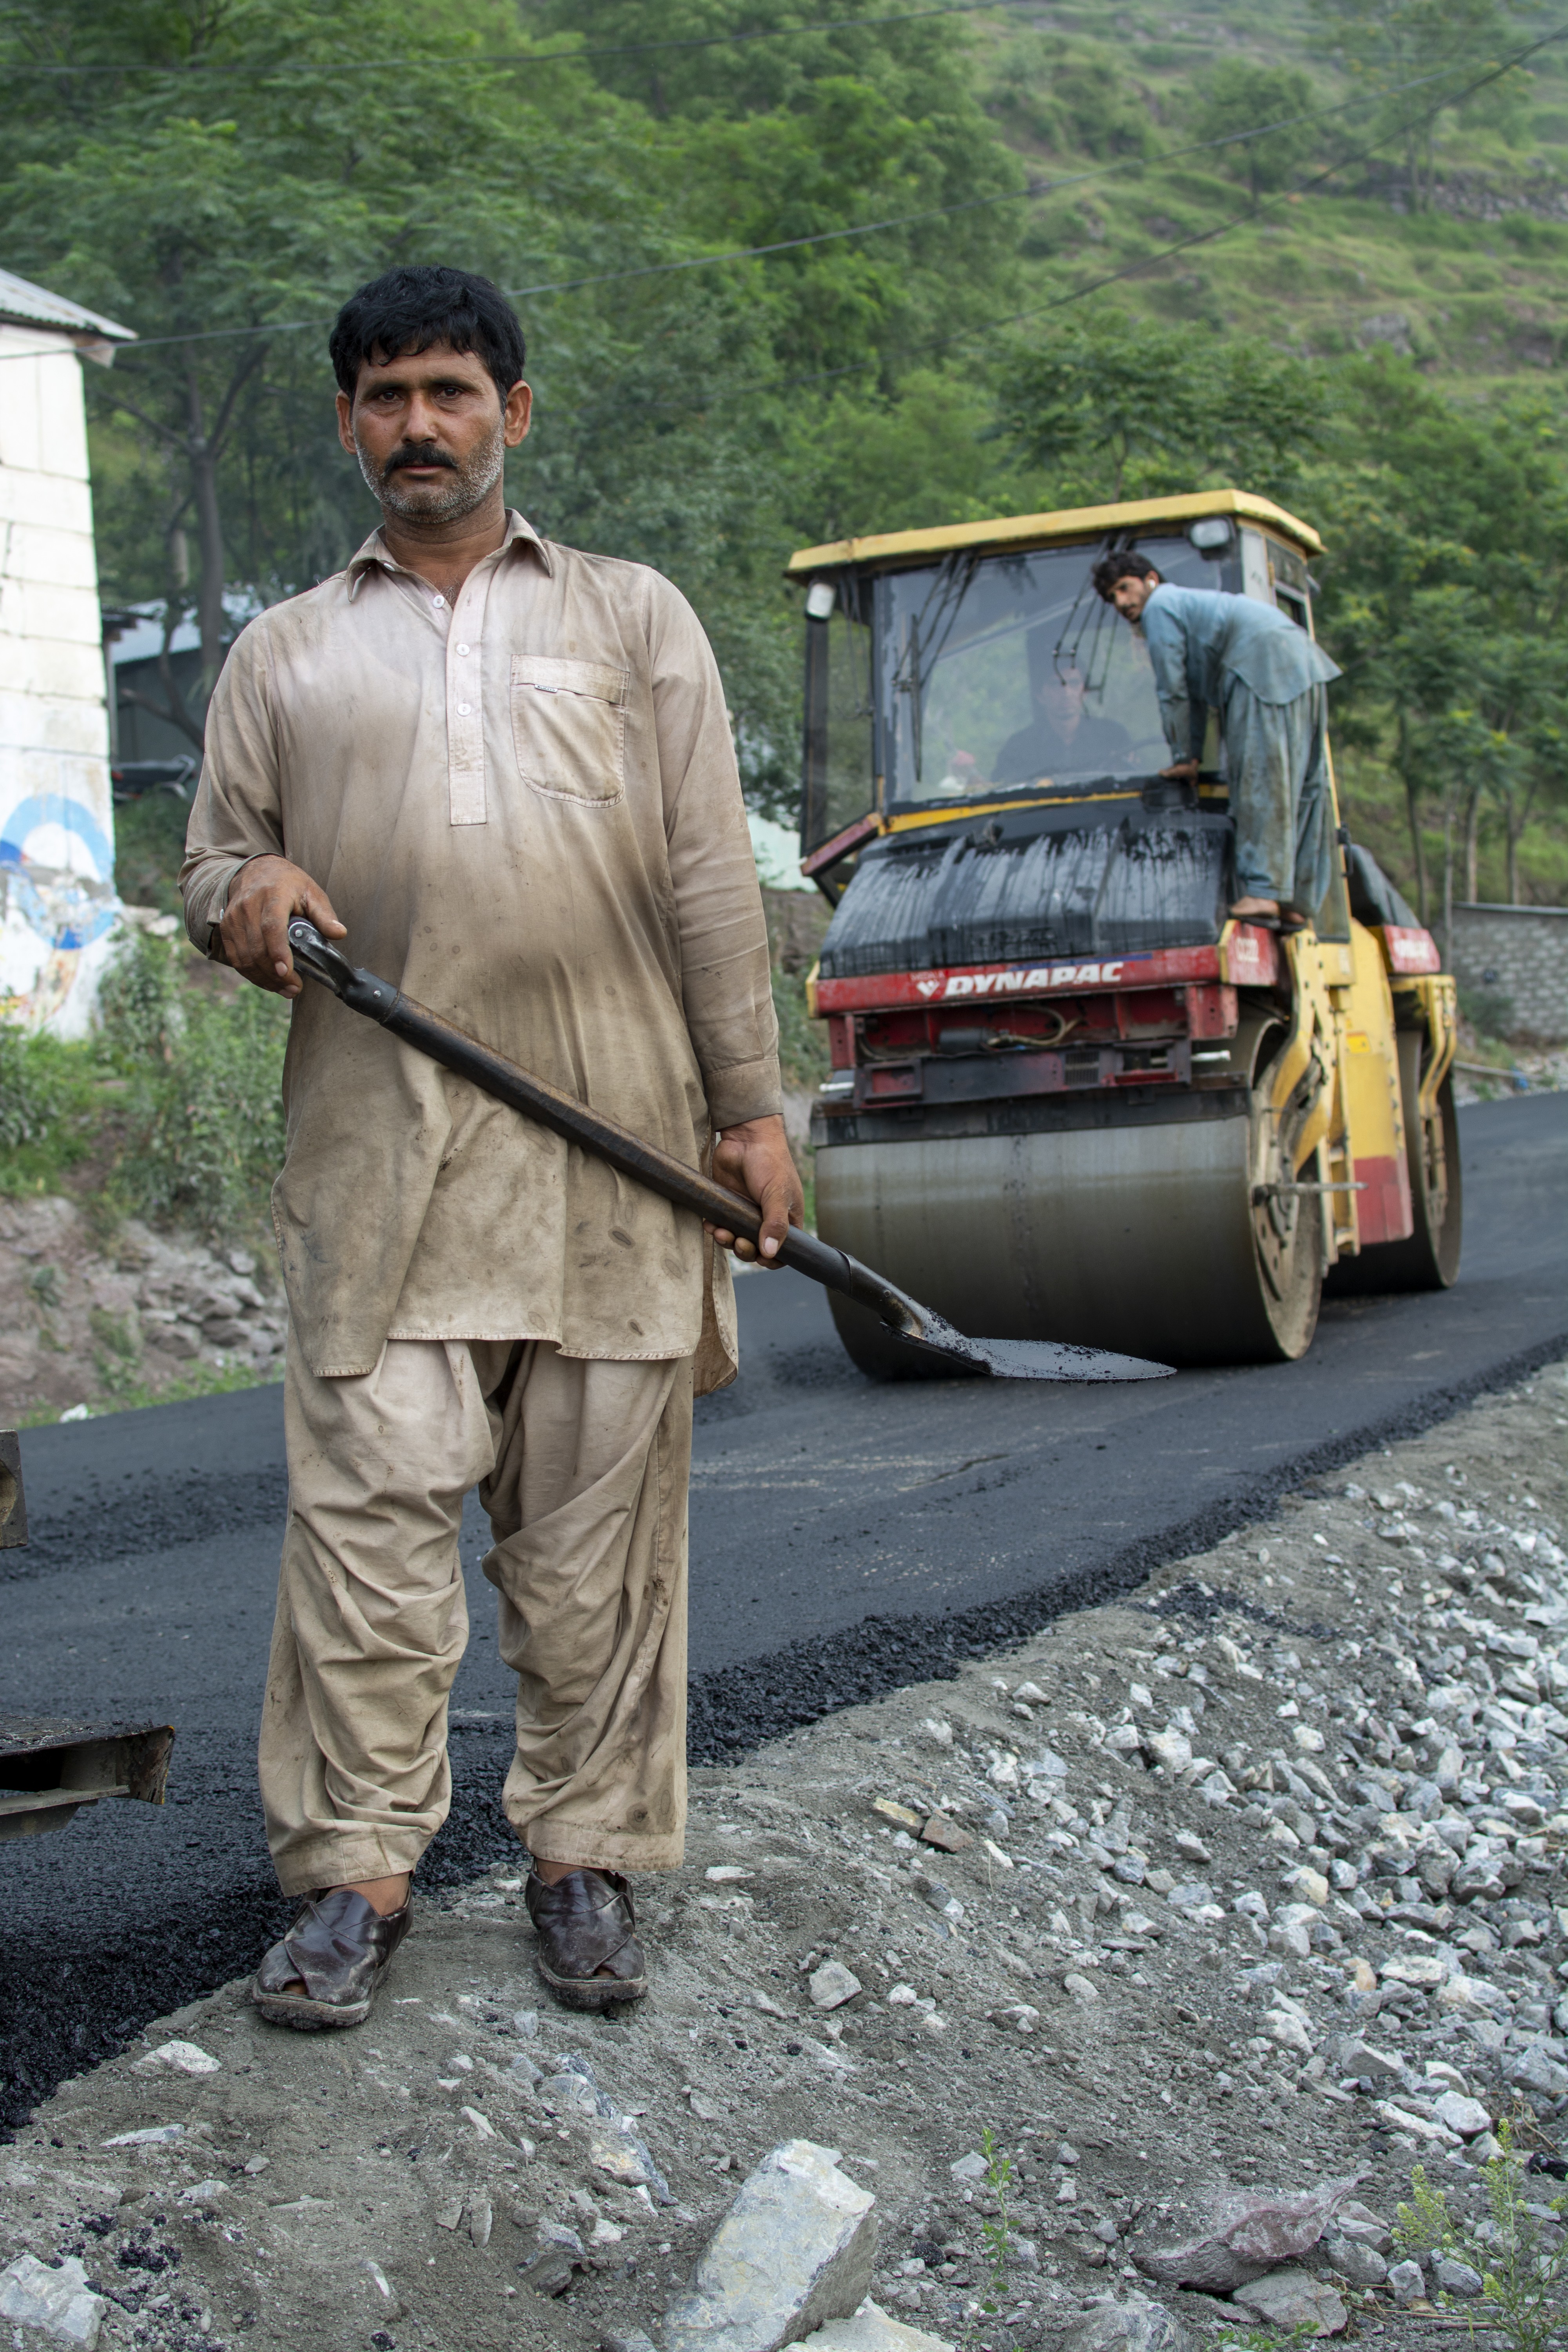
{"points": [[1071, 1099]]}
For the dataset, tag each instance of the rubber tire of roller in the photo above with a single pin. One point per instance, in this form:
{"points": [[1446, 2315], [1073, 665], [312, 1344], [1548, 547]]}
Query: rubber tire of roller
{"points": [[1245, 1329], [1429, 1260]]}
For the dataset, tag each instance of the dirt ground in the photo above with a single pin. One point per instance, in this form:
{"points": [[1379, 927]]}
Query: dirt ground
{"points": [[1286, 1721]]}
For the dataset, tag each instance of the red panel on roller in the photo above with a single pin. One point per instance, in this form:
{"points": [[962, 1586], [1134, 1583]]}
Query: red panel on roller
{"points": [[1383, 1211]]}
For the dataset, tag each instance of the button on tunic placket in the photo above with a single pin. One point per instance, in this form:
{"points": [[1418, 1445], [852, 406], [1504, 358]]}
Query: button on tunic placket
{"points": [[465, 700]]}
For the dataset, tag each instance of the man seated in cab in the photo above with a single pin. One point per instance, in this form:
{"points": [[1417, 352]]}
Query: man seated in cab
{"points": [[1265, 677], [1063, 738]]}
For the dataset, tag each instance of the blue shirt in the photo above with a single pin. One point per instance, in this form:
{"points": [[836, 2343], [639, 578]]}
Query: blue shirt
{"points": [[1202, 642]]}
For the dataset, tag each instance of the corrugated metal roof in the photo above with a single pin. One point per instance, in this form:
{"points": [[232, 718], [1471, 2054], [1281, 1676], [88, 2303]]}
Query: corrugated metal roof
{"points": [[24, 304]]}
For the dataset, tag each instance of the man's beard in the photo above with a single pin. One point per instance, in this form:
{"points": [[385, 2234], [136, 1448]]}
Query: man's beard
{"points": [[467, 484]]}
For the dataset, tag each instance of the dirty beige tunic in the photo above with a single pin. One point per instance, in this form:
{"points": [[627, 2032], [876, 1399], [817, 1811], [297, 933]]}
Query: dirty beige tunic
{"points": [[525, 807]]}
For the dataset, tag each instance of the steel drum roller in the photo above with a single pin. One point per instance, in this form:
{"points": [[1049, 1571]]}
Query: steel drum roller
{"points": [[1146, 1238]]}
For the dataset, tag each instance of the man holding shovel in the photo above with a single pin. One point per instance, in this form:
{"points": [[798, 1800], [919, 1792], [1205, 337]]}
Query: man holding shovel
{"points": [[502, 769]]}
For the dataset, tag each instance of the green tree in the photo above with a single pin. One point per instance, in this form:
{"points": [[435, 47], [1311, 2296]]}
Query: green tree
{"points": [[1406, 54], [1446, 590], [1112, 407], [1235, 100], [247, 162]]}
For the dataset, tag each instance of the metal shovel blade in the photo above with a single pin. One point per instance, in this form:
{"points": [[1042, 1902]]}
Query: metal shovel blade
{"points": [[1033, 1359], [1003, 1359]]}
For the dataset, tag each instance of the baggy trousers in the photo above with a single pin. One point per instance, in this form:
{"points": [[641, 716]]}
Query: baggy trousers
{"points": [[1278, 769], [583, 1466]]}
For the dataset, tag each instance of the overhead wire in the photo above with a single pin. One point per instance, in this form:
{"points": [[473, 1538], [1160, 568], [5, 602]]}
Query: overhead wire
{"points": [[1150, 261], [1032, 191]]}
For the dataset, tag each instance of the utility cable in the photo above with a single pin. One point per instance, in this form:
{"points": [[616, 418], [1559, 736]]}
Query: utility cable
{"points": [[1153, 260], [1032, 191]]}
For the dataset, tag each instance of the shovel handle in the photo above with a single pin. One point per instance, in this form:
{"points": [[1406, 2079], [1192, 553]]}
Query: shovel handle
{"points": [[686, 1187]]}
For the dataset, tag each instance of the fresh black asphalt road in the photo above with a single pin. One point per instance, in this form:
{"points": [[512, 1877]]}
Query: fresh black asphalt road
{"points": [[845, 1538]]}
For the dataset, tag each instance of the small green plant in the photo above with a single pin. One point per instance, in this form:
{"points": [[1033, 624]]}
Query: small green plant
{"points": [[1524, 2283], [1425, 2226], [997, 2232], [29, 1088]]}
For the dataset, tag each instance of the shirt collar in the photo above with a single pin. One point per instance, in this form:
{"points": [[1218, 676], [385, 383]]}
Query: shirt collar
{"points": [[519, 532]]}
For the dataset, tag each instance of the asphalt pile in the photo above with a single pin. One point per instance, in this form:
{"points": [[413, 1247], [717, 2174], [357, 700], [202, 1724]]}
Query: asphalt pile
{"points": [[1113, 1986]]}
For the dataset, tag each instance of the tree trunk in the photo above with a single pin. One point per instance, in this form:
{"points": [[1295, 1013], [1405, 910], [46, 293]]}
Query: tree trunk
{"points": [[1412, 813], [1447, 940], [1512, 828], [203, 456], [1472, 841]]}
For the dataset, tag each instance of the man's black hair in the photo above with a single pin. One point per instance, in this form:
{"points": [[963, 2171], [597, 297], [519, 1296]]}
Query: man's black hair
{"points": [[406, 310], [1125, 564]]}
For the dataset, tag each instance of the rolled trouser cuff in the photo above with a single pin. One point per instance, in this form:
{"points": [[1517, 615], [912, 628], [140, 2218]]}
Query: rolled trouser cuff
{"points": [[313, 1865]]}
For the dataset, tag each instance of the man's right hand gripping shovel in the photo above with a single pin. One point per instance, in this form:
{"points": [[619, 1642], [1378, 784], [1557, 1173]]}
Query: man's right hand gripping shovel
{"points": [[264, 897]]}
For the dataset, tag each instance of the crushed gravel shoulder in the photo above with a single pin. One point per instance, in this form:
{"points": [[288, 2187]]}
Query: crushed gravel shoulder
{"points": [[1251, 1879]]}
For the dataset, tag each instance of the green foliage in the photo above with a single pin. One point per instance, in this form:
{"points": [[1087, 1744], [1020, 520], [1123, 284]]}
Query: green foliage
{"points": [[140, 1005], [1410, 53], [30, 1088], [171, 1109], [1524, 2286], [803, 1041], [996, 2228], [204, 1122], [1425, 2226], [1071, 97], [1238, 96], [1115, 408]]}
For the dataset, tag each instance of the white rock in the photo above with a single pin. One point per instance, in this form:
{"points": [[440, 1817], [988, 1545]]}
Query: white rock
{"points": [[1466, 2117], [60, 2302], [795, 2251], [1309, 1886], [1289, 2031], [1290, 2298], [1078, 1988], [202, 2192], [1425, 2127], [180, 2057], [1137, 2324], [972, 2167], [1307, 1738], [832, 1985], [1406, 2281], [1172, 1749], [871, 2330], [1424, 1969], [902, 1996], [149, 2136]]}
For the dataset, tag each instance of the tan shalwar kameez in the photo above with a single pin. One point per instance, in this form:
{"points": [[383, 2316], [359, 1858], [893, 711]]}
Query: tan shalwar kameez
{"points": [[526, 809]]}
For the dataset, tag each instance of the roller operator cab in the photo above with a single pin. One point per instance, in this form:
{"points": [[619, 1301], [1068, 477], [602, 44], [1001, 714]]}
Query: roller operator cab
{"points": [[1070, 1098]]}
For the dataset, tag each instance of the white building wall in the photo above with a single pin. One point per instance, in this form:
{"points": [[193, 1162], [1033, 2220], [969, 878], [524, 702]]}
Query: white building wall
{"points": [[58, 905]]}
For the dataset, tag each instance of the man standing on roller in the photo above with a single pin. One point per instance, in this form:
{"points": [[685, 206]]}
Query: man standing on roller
{"points": [[1265, 676], [503, 771]]}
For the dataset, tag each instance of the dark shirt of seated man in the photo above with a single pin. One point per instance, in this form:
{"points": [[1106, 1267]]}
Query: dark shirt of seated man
{"points": [[1062, 739]]}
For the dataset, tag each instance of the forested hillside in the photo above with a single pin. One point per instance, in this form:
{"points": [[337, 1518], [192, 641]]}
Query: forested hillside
{"points": [[796, 268]]}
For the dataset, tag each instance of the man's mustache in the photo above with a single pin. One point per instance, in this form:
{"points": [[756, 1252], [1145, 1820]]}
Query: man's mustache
{"points": [[425, 455]]}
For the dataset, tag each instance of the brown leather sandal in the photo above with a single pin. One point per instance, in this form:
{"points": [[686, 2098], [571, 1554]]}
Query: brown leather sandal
{"points": [[339, 1949], [588, 1952]]}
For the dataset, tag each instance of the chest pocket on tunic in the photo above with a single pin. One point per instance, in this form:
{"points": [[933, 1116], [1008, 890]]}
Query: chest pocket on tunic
{"points": [[569, 727]]}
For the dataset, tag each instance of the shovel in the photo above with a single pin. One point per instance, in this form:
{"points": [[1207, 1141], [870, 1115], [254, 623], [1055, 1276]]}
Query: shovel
{"points": [[1004, 1359]]}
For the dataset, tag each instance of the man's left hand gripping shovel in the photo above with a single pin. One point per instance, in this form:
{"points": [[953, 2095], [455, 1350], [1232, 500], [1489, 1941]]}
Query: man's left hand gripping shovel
{"points": [[1008, 1359]]}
